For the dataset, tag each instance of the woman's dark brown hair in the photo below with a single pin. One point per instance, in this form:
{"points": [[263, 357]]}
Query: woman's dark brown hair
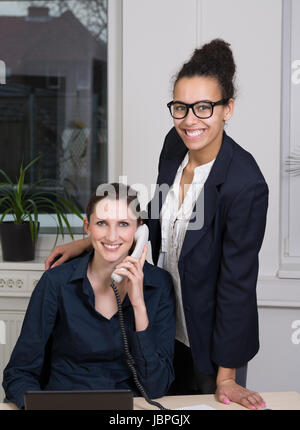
{"points": [[213, 60], [115, 191]]}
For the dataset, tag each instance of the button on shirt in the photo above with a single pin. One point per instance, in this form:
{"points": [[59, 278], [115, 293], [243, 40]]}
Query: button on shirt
{"points": [[174, 219], [87, 349]]}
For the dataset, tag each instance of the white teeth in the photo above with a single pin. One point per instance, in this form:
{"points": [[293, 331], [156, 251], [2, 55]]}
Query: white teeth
{"points": [[111, 246], [194, 133]]}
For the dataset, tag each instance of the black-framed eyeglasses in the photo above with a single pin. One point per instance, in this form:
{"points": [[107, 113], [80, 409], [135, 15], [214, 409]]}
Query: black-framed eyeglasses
{"points": [[202, 109]]}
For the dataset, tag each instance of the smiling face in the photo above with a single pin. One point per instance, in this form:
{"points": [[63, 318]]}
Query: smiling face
{"points": [[202, 136], [111, 227]]}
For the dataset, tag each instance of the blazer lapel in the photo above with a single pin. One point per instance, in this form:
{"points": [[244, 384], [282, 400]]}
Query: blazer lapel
{"points": [[207, 203], [164, 181]]}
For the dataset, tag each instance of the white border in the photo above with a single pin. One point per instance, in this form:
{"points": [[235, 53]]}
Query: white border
{"points": [[289, 266]]}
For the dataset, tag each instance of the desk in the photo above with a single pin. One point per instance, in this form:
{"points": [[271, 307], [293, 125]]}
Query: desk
{"points": [[275, 401], [279, 401]]}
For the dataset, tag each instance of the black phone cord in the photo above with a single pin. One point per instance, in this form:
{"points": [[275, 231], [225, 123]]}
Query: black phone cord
{"points": [[129, 358]]}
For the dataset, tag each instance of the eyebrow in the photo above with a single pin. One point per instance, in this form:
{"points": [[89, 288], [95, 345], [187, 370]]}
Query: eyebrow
{"points": [[122, 219]]}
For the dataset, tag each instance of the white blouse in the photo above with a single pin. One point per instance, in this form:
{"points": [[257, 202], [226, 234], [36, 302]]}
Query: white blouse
{"points": [[174, 219]]}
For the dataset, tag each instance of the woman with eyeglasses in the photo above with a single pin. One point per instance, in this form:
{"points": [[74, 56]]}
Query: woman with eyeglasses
{"points": [[208, 233]]}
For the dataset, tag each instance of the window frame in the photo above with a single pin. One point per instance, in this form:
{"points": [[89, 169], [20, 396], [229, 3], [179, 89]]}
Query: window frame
{"points": [[114, 115], [289, 265]]}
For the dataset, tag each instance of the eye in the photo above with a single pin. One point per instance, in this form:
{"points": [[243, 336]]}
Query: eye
{"points": [[101, 223], [124, 224], [179, 108], [201, 107]]}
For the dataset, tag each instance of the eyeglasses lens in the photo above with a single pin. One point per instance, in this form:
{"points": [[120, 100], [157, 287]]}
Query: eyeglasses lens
{"points": [[201, 110]]}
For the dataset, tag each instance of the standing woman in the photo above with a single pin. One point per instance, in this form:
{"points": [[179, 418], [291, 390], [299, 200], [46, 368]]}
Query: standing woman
{"points": [[214, 260], [214, 266]]}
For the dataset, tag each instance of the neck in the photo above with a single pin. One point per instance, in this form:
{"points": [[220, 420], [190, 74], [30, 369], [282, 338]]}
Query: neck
{"points": [[100, 271]]}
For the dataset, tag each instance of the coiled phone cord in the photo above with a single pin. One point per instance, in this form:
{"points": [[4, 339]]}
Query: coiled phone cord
{"points": [[129, 358]]}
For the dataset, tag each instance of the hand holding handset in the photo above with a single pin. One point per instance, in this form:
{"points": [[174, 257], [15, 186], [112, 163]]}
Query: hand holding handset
{"points": [[141, 238]]}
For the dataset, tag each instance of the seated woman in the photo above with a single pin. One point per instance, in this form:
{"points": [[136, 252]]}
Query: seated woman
{"points": [[75, 305]]}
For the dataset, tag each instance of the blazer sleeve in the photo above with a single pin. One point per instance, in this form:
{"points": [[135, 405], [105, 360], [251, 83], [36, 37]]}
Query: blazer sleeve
{"points": [[24, 369], [235, 336], [153, 348]]}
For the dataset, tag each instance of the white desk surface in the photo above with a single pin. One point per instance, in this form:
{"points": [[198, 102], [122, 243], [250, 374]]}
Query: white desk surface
{"points": [[275, 401], [279, 401]]}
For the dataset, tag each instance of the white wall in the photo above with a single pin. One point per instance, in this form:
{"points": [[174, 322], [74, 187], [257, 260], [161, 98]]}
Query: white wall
{"points": [[158, 36]]}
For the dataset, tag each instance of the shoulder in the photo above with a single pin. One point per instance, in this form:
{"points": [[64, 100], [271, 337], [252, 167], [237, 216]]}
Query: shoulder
{"points": [[243, 165], [63, 274], [243, 172]]}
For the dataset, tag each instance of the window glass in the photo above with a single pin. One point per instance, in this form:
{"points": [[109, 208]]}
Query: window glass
{"points": [[54, 100]]}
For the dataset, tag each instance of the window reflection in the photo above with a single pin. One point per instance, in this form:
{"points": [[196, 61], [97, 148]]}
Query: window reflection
{"points": [[54, 101]]}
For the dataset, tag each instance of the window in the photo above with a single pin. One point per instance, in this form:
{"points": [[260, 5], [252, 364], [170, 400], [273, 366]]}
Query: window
{"points": [[54, 101], [290, 192]]}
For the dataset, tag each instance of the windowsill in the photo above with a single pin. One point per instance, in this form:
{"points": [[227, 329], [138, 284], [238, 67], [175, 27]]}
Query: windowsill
{"points": [[289, 271], [38, 264], [44, 246], [273, 291]]}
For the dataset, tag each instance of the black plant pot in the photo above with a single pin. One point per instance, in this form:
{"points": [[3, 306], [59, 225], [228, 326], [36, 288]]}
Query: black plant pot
{"points": [[16, 241]]}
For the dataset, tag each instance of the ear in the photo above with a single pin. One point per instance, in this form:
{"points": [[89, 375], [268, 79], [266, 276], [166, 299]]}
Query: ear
{"points": [[86, 226], [228, 110]]}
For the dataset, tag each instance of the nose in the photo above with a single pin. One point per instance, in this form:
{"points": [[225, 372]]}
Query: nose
{"points": [[112, 234], [191, 117]]}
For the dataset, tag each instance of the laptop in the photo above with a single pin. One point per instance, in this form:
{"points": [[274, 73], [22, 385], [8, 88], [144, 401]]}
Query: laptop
{"points": [[79, 400]]}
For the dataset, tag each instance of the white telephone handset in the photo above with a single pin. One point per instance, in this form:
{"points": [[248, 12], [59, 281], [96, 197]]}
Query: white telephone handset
{"points": [[141, 238]]}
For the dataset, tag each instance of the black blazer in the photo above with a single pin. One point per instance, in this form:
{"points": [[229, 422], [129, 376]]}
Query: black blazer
{"points": [[218, 264]]}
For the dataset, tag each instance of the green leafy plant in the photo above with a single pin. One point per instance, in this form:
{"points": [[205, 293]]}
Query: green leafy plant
{"points": [[25, 203]]}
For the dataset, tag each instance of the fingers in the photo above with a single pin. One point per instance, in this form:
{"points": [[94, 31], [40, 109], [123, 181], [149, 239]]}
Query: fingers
{"points": [[57, 257], [130, 267], [235, 393], [140, 260], [54, 257], [223, 399], [143, 256], [252, 400], [59, 261]]}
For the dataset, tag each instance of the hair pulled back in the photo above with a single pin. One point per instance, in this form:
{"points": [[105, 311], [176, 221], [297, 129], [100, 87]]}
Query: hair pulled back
{"points": [[213, 60], [115, 191]]}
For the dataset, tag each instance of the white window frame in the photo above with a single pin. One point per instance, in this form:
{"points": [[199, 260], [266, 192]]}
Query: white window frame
{"points": [[115, 128], [289, 265]]}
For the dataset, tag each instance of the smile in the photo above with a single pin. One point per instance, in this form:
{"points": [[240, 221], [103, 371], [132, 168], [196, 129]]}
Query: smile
{"points": [[194, 133], [111, 247]]}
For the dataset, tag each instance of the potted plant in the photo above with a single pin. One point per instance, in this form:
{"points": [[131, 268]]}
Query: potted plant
{"points": [[24, 203]]}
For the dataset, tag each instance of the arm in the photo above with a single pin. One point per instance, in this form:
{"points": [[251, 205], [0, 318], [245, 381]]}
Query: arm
{"points": [[151, 344], [153, 347], [235, 339], [63, 253], [25, 365]]}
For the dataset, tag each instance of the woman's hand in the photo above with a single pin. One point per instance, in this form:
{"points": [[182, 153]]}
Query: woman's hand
{"points": [[63, 253], [228, 390], [133, 283]]}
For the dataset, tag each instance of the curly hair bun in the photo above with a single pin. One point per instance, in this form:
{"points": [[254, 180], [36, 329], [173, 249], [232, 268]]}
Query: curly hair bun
{"points": [[214, 59]]}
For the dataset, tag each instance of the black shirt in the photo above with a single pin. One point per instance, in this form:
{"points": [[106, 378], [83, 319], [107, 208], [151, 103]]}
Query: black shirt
{"points": [[87, 349]]}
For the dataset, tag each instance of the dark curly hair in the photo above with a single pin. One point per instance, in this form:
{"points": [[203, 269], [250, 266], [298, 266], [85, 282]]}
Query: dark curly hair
{"points": [[213, 60]]}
